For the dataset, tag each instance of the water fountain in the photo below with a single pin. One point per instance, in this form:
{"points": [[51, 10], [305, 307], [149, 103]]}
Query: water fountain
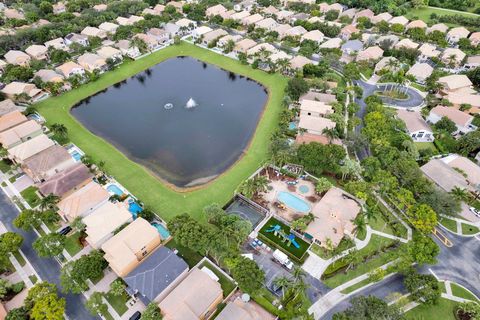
{"points": [[168, 106], [190, 103]]}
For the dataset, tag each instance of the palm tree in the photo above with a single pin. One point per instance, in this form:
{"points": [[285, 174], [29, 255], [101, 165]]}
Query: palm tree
{"points": [[59, 130], [298, 273], [460, 194], [330, 133], [360, 224], [229, 46], [247, 188], [260, 183], [49, 202], [452, 59], [282, 282], [283, 65]]}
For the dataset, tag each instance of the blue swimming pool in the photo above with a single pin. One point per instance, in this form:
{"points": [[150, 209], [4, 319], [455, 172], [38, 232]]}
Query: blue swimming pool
{"points": [[76, 156], [134, 208], [293, 202], [164, 234], [292, 126], [115, 189]]}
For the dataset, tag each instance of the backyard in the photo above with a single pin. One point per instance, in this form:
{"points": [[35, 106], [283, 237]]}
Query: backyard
{"points": [[227, 285], [136, 178]]}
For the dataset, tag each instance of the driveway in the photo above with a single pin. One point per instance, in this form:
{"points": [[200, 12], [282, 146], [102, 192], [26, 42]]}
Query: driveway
{"points": [[48, 269]]}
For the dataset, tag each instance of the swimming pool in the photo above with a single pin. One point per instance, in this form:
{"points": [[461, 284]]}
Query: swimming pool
{"points": [[76, 156], [293, 202], [134, 208], [164, 234], [292, 126], [115, 189]]}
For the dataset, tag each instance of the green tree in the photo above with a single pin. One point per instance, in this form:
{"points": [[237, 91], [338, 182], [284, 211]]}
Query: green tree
{"points": [[445, 124], [49, 245], [423, 218], [48, 308], [5, 285], [421, 250], [17, 314], [74, 274], [49, 202], [95, 304], [369, 308], [460, 194], [189, 233], [152, 312], [296, 87], [322, 185], [468, 310], [10, 242], [248, 275], [38, 292], [469, 143], [60, 130], [117, 287], [423, 288]]}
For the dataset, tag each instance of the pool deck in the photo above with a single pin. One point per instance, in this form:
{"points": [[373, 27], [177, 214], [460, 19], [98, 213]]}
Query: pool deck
{"points": [[288, 213]]}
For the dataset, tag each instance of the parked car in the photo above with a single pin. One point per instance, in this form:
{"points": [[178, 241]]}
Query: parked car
{"points": [[65, 230], [136, 316], [475, 211]]}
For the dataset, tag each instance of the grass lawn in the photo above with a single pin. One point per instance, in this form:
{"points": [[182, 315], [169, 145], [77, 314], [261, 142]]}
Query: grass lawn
{"points": [[191, 257], [326, 254], [33, 278], [72, 244], [426, 146], [30, 195], [418, 86], [468, 229], [227, 285], [424, 14], [138, 180], [118, 302], [460, 292], [19, 258], [265, 298], [283, 245], [52, 226], [449, 224], [443, 310], [376, 242]]}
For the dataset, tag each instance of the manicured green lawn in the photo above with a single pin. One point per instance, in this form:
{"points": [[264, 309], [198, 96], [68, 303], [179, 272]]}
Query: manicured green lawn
{"points": [[162, 199], [20, 258], [424, 13], [118, 302], [33, 278], [72, 244], [30, 195], [191, 257], [326, 254], [462, 293], [227, 285], [449, 224], [468, 229], [426, 146], [283, 245], [443, 310]]}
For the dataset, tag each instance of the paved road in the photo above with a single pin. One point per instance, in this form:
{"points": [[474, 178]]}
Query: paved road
{"points": [[48, 269], [381, 290]]}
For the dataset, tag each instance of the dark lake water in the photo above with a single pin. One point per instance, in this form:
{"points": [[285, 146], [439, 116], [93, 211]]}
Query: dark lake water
{"points": [[184, 146]]}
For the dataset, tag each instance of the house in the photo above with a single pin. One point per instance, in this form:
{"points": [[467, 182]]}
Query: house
{"points": [[92, 62], [37, 52], [466, 96], [455, 34], [390, 39], [20, 133], [347, 31], [384, 16], [94, 32], [213, 36], [421, 71], [453, 56], [464, 165], [267, 47], [227, 14], [108, 27], [333, 43], [103, 221], [267, 24], [29, 148], [387, 63], [239, 309], [439, 27], [134, 19], [334, 215], [69, 69], [59, 7], [284, 15], [57, 43], [370, 53], [313, 35], [239, 16], [445, 176], [296, 31], [110, 53], [67, 181], [18, 58], [215, 10], [197, 33], [462, 120], [472, 62], [428, 51], [11, 119], [406, 44], [172, 29], [7, 106], [298, 17], [186, 24], [279, 55], [366, 13], [350, 13], [47, 163], [455, 83], [160, 35], [315, 125], [282, 29], [252, 19], [298, 62], [195, 297], [47, 75], [156, 276], [11, 13], [244, 45], [475, 39], [336, 7], [352, 46], [123, 21], [246, 5], [83, 201], [126, 250], [401, 20], [81, 39], [100, 7], [314, 108], [16, 90], [151, 42], [159, 8], [270, 10], [417, 127], [178, 5], [127, 49], [222, 42], [326, 98], [416, 24]]}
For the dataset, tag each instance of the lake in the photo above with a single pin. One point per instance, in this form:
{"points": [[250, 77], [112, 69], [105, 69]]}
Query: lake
{"points": [[147, 118]]}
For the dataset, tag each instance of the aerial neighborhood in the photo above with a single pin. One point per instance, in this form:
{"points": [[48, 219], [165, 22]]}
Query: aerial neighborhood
{"points": [[239, 160]]}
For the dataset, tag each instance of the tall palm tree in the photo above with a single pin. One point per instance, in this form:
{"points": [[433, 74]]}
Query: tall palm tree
{"points": [[283, 65], [460, 194], [260, 183], [49, 202], [283, 283], [360, 224], [330, 133], [60, 130]]}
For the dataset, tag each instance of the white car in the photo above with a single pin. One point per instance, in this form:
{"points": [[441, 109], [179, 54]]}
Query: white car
{"points": [[475, 211]]}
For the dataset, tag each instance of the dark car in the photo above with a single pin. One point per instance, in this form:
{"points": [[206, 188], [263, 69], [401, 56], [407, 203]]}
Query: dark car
{"points": [[65, 230], [136, 316]]}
